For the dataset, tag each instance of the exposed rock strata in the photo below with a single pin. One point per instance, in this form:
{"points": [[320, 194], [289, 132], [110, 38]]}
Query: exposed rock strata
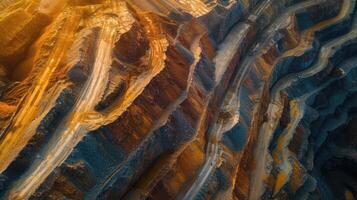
{"points": [[178, 99]]}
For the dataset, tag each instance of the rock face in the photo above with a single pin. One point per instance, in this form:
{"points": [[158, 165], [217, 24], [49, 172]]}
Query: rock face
{"points": [[178, 99]]}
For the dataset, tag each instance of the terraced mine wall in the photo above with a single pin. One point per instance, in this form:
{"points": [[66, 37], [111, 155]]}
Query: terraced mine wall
{"points": [[239, 99]]}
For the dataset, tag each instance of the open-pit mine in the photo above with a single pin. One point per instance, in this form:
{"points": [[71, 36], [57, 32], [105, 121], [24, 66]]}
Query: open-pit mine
{"points": [[178, 99]]}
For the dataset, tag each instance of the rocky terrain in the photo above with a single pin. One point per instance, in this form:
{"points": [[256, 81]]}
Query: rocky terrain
{"points": [[178, 99]]}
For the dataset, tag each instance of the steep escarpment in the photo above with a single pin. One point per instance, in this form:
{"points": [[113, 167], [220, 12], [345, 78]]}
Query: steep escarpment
{"points": [[177, 99]]}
